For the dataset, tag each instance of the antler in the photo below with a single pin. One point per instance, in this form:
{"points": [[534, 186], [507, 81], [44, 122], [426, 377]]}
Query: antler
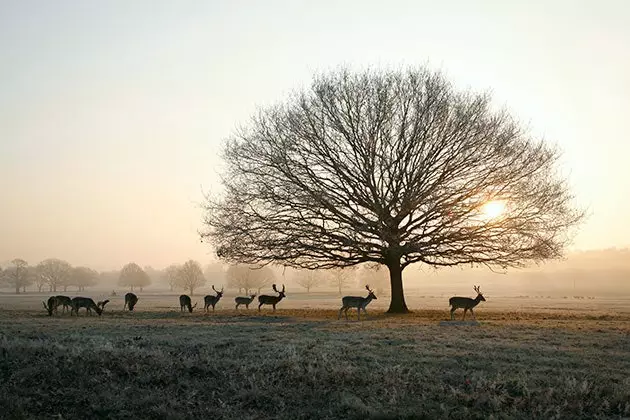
{"points": [[476, 289], [274, 288], [283, 288], [214, 289], [367, 286]]}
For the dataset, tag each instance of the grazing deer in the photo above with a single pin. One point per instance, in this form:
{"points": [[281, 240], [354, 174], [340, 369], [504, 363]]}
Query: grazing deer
{"points": [[185, 302], [356, 302], [87, 303], [101, 304], [244, 300], [271, 300], [65, 301], [212, 300], [466, 303], [52, 305], [130, 301]]}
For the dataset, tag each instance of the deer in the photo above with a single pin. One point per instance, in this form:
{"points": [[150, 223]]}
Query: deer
{"points": [[211, 300], [101, 304], [87, 303], [271, 300], [466, 303], [52, 305], [244, 300], [65, 301], [356, 302], [185, 302], [130, 301]]}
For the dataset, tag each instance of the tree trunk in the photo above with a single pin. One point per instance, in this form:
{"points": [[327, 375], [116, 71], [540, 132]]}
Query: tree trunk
{"points": [[308, 290], [339, 289], [65, 288], [17, 288], [132, 287], [397, 304], [39, 288], [23, 289]]}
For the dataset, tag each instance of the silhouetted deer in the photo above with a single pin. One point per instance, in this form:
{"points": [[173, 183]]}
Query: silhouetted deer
{"points": [[185, 302], [244, 300], [101, 304], [356, 302], [130, 301], [271, 300], [65, 301], [83, 302], [52, 305], [466, 303], [211, 300], [55, 301]]}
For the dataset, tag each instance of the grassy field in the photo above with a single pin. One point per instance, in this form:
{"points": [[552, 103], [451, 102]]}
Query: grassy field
{"points": [[538, 361]]}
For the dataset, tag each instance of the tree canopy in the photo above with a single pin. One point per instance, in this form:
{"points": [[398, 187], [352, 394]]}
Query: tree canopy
{"points": [[393, 168], [132, 275]]}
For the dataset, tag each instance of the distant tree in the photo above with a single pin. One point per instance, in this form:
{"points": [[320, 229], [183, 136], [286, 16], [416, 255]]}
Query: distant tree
{"points": [[154, 275], [248, 277], [17, 275], [38, 279], [56, 272], [341, 277], [394, 167], [375, 276], [170, 274], [132, 276], [190, 276], [214, 273], [308, 279], [83, 277]]}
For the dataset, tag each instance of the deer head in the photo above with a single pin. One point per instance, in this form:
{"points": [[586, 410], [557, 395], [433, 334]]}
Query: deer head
{"points": [[479, 295], [371, 292], [219, 293], [280, 293]]}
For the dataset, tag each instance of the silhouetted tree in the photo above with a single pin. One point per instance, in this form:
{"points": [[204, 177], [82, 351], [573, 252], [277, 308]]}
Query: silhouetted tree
{"points": [[132, 276], [56, 272], [390, 167], [17, 275], [170, 275], [83, 277], [190, 276], [341, 277], [247, 278], [308, 278]]}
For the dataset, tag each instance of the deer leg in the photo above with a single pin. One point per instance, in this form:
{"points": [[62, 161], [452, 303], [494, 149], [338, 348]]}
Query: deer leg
{"points": [[247, 306], [259, 307], [452, 312], [339, 317], [359, 313], [465, 310], [346, 312], [473, 314], [274, 307]]}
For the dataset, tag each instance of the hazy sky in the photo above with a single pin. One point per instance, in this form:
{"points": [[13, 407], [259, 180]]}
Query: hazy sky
{"points": [[111, 112]]}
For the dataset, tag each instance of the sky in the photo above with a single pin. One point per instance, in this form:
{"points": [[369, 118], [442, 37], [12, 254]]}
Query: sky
{"points": [[112, 112]]}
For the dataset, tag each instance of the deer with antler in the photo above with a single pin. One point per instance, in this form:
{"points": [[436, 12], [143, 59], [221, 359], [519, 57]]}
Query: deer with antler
{"points": [[211, 300], [466, 303], [358, 302], [271, 300], [185, 302]]}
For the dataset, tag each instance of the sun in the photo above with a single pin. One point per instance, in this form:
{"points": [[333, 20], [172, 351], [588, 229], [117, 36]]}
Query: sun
{"points": [[493, 209]]}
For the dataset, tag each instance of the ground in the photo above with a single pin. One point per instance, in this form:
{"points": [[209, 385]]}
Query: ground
{"points": [[541, 362]]}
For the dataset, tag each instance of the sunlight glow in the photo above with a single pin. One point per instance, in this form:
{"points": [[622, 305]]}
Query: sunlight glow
{"points": [[493, 209]]}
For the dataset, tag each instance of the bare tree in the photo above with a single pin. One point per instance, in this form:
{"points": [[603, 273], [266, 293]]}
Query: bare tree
{"points": [[190, 276], [341, 277], [39, 280], [390, 167], [170, 274], [248, 277], [83, 277], [308, 278], [56, 272], [132, 276], [214, 272], [17, 275]]}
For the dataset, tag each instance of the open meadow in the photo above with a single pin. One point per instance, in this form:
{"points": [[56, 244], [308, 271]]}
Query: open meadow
{"points": [[528, 358]]}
